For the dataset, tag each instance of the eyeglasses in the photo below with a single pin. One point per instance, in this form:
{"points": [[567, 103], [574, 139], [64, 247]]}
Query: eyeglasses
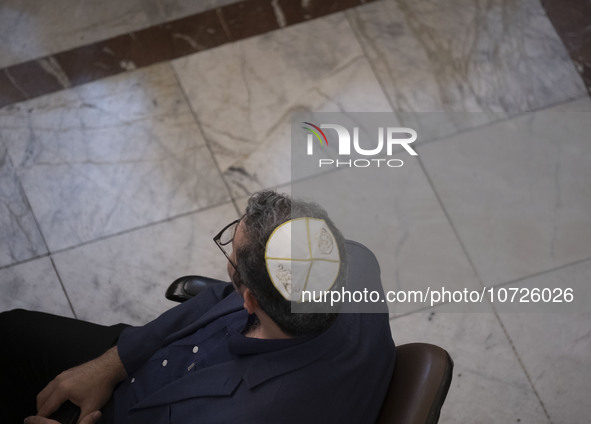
{"points": [[226, 237]]}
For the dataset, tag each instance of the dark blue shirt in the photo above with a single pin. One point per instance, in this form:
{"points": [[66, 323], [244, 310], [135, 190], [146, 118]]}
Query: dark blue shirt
{"points": [[206, 347], [219, 341], [340, 375]]}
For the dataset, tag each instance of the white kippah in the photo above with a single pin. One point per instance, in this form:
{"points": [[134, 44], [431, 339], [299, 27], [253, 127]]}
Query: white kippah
{"points": [[302, 254]]}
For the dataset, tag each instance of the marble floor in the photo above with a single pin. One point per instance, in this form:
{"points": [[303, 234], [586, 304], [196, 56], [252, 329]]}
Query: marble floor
{"points": [[111, 189]]}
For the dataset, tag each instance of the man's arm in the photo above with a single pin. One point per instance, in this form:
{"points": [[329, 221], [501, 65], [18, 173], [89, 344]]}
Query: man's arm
{"points": [[89, 386]]}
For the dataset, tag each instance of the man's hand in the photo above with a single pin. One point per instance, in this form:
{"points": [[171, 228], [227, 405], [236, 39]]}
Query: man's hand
{"points": [[89, 386], [91, 418]]}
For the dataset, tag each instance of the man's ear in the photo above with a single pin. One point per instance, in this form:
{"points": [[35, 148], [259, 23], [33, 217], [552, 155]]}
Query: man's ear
{"points": [[250, 302]]}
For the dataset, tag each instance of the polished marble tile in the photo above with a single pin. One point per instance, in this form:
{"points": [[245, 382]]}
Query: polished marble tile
{"points": [[33, 285], [31, 29], [245, 19], [9, 91], [159, 11], [495, 57], [248, 90], [554, 347], [141, 48], [32, 79], [295, 11], [112, 56], [572, 19], [19, 234], [394, 212], [172, 34], [563, 290], [517, 192], [124, 278], [110, 156], [489, 385]]}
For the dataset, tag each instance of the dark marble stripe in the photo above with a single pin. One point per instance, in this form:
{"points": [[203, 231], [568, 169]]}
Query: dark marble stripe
{"points": [[158, 43], [246, 19], [572, 21], [142, 48], [32, 79], [9, 93], [295, 12]]}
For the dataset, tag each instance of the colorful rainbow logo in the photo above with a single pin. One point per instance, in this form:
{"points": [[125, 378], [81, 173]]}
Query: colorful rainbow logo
{"points": [[318, 130]]}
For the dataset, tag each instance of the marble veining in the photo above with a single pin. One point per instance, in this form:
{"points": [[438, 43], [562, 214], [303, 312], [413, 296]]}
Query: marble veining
{"points": [[30, 30], [36, 29], [123, 279], [52, 67], [158, 31], [19, 235], [496, 57], [248, 91], [279, 15], [121, 176], [119, 153]]}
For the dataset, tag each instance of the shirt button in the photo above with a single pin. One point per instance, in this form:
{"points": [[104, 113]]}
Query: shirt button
{"points": [[195, 349], [164, 363], [133, 380]]}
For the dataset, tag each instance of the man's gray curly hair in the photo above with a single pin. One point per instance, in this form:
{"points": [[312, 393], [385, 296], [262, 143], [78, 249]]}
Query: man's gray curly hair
{"points": [[267, 210]]}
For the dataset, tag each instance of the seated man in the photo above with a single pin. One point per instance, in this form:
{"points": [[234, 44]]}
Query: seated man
{"points": [[234, 353]]}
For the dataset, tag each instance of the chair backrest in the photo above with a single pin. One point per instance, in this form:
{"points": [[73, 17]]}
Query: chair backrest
{"points": [[422, 376]]}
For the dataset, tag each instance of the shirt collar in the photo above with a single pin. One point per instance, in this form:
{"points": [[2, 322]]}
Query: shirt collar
{"points": [[239, 344]]}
